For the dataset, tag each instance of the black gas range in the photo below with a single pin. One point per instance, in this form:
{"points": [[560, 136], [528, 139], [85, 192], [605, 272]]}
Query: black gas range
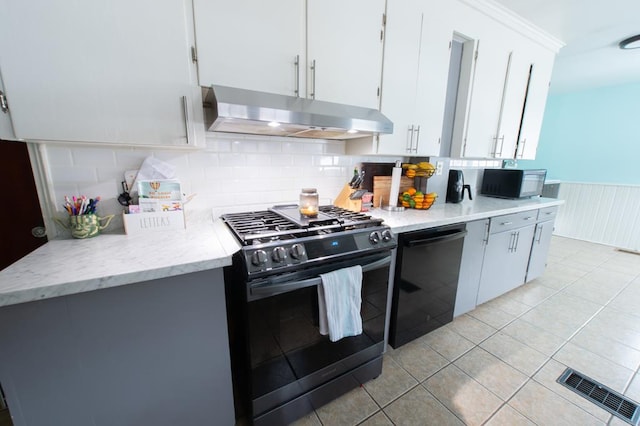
{"points": [[283, 367], [280, 239]]}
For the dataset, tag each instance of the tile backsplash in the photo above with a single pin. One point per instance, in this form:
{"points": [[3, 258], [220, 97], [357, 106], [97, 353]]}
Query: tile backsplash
{"points": [[231, 173]]}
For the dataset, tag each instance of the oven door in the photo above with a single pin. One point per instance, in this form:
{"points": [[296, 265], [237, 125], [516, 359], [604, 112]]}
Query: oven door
{"points": [[288, 355]]}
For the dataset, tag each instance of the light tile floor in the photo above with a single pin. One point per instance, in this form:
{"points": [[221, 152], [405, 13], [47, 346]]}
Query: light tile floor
{"points": [[498, 364]]}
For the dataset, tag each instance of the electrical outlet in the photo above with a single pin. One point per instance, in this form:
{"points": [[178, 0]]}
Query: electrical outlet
{"points": [[439, 166]]}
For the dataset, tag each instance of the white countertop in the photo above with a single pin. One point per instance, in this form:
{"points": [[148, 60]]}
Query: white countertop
{"points": [[63, 267], [444, 214]]}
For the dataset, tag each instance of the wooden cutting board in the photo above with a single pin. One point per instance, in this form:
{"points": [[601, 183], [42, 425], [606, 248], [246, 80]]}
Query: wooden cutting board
{"points": [[382, 187]]}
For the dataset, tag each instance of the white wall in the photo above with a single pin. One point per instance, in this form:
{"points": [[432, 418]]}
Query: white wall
{"points": [[232, 173]]}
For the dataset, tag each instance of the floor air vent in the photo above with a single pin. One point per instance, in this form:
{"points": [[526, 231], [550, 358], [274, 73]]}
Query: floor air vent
{"points": [[600, 395]]}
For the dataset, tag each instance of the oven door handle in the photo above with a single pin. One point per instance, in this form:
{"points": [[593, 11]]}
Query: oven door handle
{"points": [[273, 289]]}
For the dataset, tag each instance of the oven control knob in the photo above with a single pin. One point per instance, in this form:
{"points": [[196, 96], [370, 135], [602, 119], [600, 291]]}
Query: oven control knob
{"points": [[374, 237], [297, 251], [279, 254], [387, 235], [259, 257]]}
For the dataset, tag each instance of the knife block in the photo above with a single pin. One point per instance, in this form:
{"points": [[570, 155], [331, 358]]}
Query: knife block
{"points": [[343, 200]]}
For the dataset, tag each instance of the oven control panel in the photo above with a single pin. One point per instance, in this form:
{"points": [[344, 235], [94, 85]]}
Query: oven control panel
{"points": [[283, 254]]}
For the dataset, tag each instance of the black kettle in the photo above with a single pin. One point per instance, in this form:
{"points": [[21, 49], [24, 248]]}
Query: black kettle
{"points": [[456, 187]]}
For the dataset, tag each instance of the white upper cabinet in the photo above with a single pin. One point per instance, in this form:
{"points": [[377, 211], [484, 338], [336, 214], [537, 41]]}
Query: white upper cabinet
{"points": [[329, 50], [487, 86], [433, 72], [541, 68], [498, 85], [415, 71], [400, 77], [515, 91], [344, 56], [252, 44], [112, 72]]}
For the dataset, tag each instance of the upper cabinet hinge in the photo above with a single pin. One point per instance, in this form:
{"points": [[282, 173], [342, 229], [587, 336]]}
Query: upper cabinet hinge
{"points": [[4, 105], [475, 58], [384, 19], [378, 92], [381, 35], [194, 55]]}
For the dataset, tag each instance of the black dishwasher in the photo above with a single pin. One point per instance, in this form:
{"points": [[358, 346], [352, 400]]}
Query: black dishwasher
{"points": [[426, 281]]}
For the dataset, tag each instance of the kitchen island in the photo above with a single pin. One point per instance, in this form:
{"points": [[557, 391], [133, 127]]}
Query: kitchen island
{"points": [[119, 330], [132, 330]]}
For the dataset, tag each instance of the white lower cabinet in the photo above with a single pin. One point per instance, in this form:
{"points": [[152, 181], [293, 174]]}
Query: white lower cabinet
{"points": [[541, 243], [502, 253], [471, 266], [505, 263]]}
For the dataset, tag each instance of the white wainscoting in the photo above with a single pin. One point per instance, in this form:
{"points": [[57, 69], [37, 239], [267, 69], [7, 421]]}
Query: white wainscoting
{"points": [[602, 213]]}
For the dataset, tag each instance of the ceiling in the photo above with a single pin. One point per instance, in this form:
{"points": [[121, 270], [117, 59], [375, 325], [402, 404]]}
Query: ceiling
{"points": [[591, 31]]}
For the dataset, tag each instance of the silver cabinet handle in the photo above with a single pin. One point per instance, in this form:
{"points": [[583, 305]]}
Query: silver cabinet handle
{"points": [[296, 65], [524, 142], [527, 218], [511, 240], [539, 233], [495, 152], [417, 139], [313, 79], [517, 240], [409, 145], [187, 127], [4, 105], [506, 223]]}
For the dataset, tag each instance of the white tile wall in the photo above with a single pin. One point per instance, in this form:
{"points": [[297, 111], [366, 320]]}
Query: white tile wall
{"points": [[232, 173]]}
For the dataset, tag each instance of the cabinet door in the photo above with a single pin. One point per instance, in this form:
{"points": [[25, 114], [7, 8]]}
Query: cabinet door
{"points": [[402, 50], [433, 73], [344, 46], [251, 44], [540, 250], [471, 266], [6, 127], [541, 69], [112, 71], [505, 262], [481, 134], [515, 89]]}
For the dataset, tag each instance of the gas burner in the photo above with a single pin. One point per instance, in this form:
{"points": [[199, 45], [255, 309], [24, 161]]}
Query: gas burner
{"points": [[286, 223]]}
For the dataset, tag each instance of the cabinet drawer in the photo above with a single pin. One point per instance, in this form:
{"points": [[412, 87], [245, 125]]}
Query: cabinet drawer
{"points": [[548, 213], [512, 221]]}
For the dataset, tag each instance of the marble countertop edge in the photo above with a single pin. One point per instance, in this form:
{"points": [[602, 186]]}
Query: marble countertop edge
{"points": [[65, 267]]}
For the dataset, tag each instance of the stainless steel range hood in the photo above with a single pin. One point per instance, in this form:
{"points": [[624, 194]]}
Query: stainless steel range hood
{"points": [[228, 109]]}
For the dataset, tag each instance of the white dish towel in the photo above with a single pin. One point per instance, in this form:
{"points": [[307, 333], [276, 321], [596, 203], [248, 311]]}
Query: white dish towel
{"points": [[339, 300]]}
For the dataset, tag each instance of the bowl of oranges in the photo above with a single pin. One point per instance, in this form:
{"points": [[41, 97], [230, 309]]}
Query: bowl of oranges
{"points": [[422, 169], [414, 199]]}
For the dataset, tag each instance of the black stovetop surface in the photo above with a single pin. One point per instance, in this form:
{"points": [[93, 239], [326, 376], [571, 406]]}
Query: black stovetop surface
{"points": [[286, 223]]}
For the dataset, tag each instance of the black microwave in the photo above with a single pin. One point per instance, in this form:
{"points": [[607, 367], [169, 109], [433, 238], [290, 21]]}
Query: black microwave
{"points": [[513, 183]]}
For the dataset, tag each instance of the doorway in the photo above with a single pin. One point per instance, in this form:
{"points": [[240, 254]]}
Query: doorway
{"points": [[23, 226]]}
